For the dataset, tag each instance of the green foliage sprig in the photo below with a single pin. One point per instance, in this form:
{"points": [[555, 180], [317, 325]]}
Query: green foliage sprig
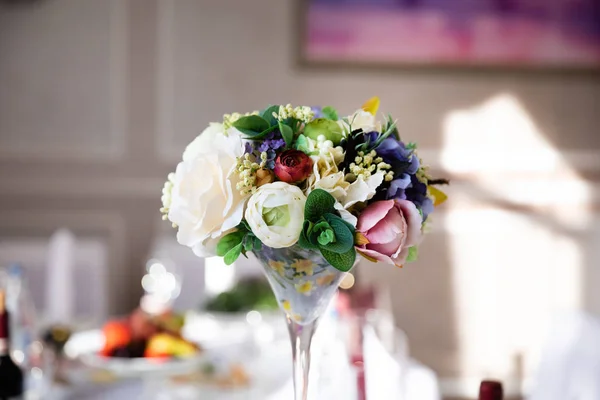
{"points": [[256, 127], [323, 230], [240, 241]]}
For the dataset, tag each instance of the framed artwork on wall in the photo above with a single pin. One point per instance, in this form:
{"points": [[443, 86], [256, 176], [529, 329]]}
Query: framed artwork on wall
{"points": [[560, 34]]}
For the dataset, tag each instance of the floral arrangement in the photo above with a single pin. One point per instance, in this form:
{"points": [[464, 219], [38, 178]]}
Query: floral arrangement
{"points": [[300, 176]]}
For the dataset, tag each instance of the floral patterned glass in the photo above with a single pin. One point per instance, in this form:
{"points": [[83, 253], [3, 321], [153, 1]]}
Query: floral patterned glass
{"points": [[304, 283]]}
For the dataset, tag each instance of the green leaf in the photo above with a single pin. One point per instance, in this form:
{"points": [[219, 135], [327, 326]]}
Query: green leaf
{"points": [[413, 254], [349, 225], [251, 123], [229, 241], [248, 243], [318, 203], [257, 243], [317, 233], [411, 146], [258, 135], [305, 243], [312, 233], [233, 254], [326, 237], [244, 225], [344, 237], [330, 113], [390, 130], [304, 240], [390, 122], [267, 114], [287, 133], [302, 144], [342, 262]]}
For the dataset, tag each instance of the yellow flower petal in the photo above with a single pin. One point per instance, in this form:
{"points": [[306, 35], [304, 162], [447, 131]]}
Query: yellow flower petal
{"points": [[371, 105], [278, 266], [360, 239], [438, 196], [304, 287], [366, 256], [325, 279], [286, 305], [305, 266]]}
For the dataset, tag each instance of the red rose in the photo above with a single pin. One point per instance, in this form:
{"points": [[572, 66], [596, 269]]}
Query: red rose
{"points": [[293, 166]]}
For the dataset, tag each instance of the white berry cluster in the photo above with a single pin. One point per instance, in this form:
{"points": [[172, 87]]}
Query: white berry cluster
{"points": [[229, 119], [247, 167], [366, 164], [301, 113], [166, 197], [327, 149]]}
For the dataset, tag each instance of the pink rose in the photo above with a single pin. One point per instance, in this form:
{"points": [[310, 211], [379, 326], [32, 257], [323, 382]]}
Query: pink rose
{"points": [[391, 227]]}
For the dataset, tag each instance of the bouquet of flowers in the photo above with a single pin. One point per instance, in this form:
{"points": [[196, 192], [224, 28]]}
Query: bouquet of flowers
{"points": [[300, 176]]}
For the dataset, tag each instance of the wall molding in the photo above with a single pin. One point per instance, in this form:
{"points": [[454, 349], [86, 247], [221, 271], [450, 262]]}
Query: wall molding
{"points": [[166, 148], [81, 187], [118, 30]]}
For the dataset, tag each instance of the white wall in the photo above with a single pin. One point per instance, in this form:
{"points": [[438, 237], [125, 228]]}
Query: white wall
{"points": [[98, 99]]}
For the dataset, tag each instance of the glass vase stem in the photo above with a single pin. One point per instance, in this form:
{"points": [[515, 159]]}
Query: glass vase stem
{"points": [[301, 338]]}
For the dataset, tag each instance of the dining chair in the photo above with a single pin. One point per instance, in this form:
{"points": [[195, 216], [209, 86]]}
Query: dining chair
{"points": [[89, 274]]}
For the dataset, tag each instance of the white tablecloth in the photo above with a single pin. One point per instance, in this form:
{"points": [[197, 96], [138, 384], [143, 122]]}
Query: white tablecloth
{"points": [[389, 373], [420, 384]]}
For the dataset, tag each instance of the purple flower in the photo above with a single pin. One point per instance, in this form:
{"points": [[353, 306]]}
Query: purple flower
{"points": [[398, 186], [318, 112], [395, 153], [417, 193], [272, 141]]}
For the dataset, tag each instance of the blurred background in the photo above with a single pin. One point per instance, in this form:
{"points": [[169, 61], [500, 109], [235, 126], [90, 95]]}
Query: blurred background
{"points": [[98, 99]]}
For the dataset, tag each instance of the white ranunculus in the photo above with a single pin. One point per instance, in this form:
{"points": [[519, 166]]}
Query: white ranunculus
{"points": [[205, 203], [275, 212]]}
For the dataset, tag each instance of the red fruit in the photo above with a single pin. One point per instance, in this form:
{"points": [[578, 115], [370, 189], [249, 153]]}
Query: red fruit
{"points": [[142, 327], [116, 334]]}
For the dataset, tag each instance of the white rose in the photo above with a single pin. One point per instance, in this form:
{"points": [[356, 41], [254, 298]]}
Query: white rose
{"points": [[276, 214], [203, 142], [204, 201]]}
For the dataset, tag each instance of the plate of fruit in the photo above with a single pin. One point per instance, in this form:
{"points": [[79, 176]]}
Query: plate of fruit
{"points": [[138, 344]]}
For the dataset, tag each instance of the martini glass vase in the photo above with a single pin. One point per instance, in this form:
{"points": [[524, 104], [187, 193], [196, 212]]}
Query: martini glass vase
{"points": [[304, 284]]}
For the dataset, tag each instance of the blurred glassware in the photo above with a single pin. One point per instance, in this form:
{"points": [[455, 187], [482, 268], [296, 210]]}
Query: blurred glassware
{"points": [[56, 337], [161, 284], [374, 345], [23, 314], [40, 372], [36, 360]]}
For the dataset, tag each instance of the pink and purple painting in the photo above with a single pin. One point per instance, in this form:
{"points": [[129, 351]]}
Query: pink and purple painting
{"points": [[511, 33]]}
